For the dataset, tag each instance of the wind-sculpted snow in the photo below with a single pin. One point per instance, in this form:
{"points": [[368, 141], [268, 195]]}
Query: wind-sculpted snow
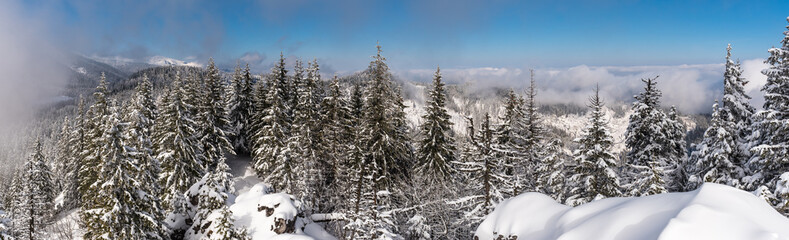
{"points": [[711, 212]]}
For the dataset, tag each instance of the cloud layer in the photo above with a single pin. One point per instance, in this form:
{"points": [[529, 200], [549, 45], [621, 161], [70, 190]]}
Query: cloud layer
{"points": [[692, 88]]}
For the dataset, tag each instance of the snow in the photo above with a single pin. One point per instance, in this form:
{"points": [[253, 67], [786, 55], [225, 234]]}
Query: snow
{"points": [[257, 211], [254, 197], [711, 212], [165, 61]]}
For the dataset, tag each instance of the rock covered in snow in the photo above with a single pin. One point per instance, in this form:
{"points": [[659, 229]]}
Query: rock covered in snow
{"points": [[711, 212], [273, 216]]}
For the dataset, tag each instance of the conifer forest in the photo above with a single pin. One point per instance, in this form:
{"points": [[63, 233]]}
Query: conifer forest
{"points": [[167, 149]]}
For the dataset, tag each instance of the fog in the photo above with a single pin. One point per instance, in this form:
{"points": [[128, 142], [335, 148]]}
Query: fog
{"points": [[32, 74], [691, 88]]}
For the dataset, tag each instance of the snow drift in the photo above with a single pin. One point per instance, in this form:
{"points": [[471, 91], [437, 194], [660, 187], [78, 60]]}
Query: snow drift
{"points": [[711, 212]]}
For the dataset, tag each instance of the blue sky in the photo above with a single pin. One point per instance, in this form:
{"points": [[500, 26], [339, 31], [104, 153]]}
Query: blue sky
{"points": [[421, 34], [573, 45]]}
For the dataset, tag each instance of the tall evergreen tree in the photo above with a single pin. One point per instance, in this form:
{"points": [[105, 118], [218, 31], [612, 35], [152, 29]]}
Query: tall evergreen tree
{"points": [[595, 173], [337, 133], [93, 135], [67, 167], [304, 141], [647, 141], [272, 159], [676, 168], [240, 109], [36, 197], [715, 157], [437, 149], [771, 125], [175, 146], [214, 139], [119, 191], [140, 119], [386, 142], [485, 173], [736, 106]]}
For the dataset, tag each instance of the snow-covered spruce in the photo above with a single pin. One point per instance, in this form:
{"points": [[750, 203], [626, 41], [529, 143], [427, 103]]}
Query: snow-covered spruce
{"points": [[595, 174]]}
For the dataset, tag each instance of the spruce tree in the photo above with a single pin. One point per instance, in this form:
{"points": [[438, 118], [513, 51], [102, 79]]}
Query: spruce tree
{"points": [[272, 159], [716, 155], [210, 195], [437, 149], [647, 141], [676, 167], [595, 172], [36, 196], [304, 142], [485, 173], [736, 107], [175, 146], [77, 142], [93, 135], [140, 117], [336, 135], [387, 144], [68, 166], [214, 139], [550, 172], [119, 191], [240, 109], [771, 125]]}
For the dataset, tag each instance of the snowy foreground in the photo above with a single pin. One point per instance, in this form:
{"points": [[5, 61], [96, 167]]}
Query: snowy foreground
{"points": [[711, 212]]}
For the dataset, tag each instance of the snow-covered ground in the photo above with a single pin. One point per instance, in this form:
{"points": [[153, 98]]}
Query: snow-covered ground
{"points": [[711, 212]]}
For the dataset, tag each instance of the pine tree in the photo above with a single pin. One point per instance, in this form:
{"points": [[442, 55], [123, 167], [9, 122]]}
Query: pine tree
{"points": [[676, 168], [93, 136], [384, 124], [119, 192], [647, 140], [272, 159], [175, 146], [595, 172], [336, 137], [140, 118], [67, 166], [213, 219], [437, 149], [387, 155], [715, 159], [304, 142], [240, 109], [770, 125], [356, 170], [485, 173], [77, 142], [736, 107], [213, 138], [550, 172], [35, 199], [510, 133]]}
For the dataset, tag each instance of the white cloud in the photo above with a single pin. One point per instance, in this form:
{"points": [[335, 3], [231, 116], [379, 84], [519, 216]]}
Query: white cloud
{"points": [[752, 71], [692, 88]]}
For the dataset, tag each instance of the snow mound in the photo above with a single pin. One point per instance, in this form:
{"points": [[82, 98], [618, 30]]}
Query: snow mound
{"points": [[273, 216], [711, 212]]}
